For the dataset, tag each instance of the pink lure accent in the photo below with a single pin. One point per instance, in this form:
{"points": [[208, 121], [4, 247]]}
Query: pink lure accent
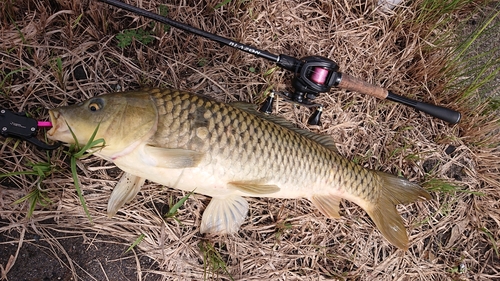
{"points": [[44, 124], [319, 75]]}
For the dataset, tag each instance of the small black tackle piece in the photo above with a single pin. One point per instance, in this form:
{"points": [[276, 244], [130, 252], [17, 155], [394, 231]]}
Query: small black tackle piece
{"points": [[18, 125]]}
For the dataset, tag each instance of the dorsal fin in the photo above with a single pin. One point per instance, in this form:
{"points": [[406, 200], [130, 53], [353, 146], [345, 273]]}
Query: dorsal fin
{"points": [[324, 140]]}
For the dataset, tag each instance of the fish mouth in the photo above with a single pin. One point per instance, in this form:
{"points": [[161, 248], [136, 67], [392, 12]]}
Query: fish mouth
{"points": [[59, 126]]}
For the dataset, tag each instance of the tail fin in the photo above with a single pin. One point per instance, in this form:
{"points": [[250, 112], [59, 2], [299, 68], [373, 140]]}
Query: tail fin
{"points": [[394, 190]]}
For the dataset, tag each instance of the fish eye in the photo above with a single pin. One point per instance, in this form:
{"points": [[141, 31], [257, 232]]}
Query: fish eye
{"points": [[95, 105]]}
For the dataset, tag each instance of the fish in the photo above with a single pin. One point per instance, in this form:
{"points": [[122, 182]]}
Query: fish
{"points": [[227, 151]]}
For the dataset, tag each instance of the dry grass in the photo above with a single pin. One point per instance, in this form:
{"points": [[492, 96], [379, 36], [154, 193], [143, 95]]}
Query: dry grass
{"points": [[282, 239]]}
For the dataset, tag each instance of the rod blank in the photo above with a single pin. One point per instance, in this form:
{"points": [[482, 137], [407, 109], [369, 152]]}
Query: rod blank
{"points": [[188, 28]]}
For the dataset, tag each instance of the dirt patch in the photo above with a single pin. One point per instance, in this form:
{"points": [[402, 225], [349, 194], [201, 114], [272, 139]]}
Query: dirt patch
{"points": [[65, 255]]}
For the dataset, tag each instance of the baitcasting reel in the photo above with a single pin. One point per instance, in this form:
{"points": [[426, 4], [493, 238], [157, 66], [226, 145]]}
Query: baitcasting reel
{"points": [[312, 75]]}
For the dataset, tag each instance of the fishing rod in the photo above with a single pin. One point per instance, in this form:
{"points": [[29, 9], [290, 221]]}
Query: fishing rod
{"points": [[313, 75]]}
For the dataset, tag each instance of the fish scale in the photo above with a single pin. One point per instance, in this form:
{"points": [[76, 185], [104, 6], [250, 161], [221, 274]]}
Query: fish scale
{"points": [[228, 151]]}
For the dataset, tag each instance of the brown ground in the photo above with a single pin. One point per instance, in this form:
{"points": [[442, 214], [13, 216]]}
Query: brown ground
{"points": [[66, 255], [455, 236]]}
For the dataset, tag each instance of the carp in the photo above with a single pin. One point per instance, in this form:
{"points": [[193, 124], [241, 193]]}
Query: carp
{"points": [[227, 151]]}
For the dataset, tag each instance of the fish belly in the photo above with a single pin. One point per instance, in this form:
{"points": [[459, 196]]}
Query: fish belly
{"points": [[212, 179]]}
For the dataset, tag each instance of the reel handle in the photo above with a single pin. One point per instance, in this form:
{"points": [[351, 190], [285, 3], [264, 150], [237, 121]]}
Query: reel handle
{"points": [[351, 83]]}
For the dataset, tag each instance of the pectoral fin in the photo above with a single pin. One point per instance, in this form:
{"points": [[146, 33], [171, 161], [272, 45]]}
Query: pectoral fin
{"points": [[224, 215], [328, 205], [125, 190], [171, 158], [254, 187]]}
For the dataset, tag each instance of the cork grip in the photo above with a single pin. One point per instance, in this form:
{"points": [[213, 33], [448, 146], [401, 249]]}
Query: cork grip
{"points": [[351, 83]]}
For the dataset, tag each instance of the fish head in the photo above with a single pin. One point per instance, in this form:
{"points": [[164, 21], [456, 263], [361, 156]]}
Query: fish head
{"points": [[123, 120]]}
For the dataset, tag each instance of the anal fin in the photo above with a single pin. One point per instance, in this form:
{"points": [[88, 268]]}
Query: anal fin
{"points": [[328, 205], [224, 215], [125, 190]]}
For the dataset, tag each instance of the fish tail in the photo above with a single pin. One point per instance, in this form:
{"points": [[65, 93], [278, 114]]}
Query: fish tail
{"points": [[394, 191]]}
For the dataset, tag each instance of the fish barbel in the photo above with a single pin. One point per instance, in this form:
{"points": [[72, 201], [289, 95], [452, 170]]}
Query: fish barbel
{"points": [[227, 151]]}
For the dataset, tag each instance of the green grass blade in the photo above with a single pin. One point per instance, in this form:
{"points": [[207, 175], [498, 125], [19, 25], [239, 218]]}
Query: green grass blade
{"points": [[492, 240], [76, 146], [136, 242], [78, 189], [225, 2], [75, 153], [212, 260], [438, 185], [18, 174], [8, 76], [173, 210], [91, 143], [36, 196], [77, 21], [467, 44]]}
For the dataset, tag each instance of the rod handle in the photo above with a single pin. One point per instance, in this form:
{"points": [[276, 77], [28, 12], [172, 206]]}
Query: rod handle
{"points": [[443, 113], [351, 83]]}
